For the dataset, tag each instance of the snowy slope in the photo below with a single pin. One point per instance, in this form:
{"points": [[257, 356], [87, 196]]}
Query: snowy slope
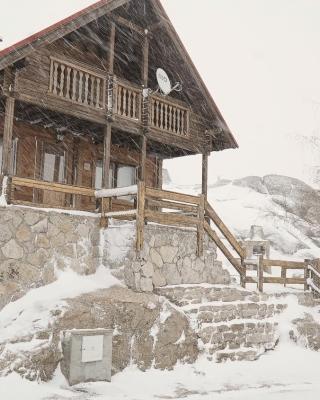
{"points": [[287, 208]]}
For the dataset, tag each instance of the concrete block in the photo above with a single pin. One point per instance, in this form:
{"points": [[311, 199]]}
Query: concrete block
{"points": [[87, 355]]}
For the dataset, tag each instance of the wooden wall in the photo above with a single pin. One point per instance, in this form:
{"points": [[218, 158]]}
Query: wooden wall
{"points": [[79, 153]]}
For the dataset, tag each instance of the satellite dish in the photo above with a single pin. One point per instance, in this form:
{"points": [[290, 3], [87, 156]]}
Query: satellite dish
{"points": [[163, 81]]}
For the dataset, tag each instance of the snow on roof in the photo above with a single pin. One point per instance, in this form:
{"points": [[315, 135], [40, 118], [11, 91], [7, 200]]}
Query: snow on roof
{"points": [[21, 20]]}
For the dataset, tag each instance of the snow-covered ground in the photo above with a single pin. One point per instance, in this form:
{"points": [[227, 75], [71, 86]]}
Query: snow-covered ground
{"points": [[288, 373]]}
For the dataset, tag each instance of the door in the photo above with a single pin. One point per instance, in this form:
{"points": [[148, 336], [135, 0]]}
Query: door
{"points": [[53, 170]]}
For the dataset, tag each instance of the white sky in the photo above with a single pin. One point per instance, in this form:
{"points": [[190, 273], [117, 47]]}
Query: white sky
{"points": [[259, 58]]}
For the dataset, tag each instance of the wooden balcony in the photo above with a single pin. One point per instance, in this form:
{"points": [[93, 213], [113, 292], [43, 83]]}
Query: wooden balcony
{"points": [[94, 90]]}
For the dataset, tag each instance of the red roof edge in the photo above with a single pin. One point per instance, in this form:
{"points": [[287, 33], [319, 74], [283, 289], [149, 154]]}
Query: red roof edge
{"points": [[64, 21]]}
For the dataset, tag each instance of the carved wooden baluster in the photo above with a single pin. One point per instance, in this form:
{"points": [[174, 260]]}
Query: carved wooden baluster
{"points": [[134, 106], [51, 77], [183, 115], [68, 89], [98, 94], [86, 87], [174, 124], [161, 115], [165, 116], [124, 102], [178, 121], [119, 101], [130, 103], [152, 112], [80, 86], [170, 119], [62, 68], [93, 79], [104, 89], [157, 114], [55, 78], [74, 84]]}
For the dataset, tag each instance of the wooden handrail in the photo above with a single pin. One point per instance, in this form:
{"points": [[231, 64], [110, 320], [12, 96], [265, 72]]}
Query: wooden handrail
{"points": [[224, 230], [172, 196], [52, 186], [234, 262]]}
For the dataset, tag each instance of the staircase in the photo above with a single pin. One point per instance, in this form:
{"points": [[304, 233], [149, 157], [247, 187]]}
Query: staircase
{"points": [[231, 323]]}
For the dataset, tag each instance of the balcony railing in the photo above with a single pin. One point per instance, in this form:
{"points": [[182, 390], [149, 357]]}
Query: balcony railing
{"points": [[169, 116], [77, 84], [88, 87]]}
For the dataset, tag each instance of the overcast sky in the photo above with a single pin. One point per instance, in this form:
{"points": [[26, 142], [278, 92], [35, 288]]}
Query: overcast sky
{"points": [[260, 60]]}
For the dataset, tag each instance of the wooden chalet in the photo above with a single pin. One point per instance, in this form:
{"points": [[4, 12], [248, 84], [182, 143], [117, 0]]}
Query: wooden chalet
{"points": [[74, 112]]}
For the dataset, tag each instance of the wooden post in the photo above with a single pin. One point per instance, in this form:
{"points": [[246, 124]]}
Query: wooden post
{"points": [[111, 48], [159, 172], [284, 276], [243, 275], [7, 136], [205, 158], [145, 61], [140, 217], [106, 203], [200, 226], [260, 273], [306, 275], [143, 158]]}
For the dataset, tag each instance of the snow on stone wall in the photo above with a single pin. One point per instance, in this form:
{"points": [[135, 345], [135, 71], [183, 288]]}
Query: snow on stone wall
{"points": [[168, 257], [33, 243]]}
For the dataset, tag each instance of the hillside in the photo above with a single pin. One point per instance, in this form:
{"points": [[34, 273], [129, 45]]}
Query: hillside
{"points": [[287, 208]]}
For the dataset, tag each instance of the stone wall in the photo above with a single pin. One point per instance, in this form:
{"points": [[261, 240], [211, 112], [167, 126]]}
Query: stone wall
{"points": [[168, 257], [35, 242]]}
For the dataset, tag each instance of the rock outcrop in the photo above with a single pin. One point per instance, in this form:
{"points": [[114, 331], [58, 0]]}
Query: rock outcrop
{"points": [[148, 331]]}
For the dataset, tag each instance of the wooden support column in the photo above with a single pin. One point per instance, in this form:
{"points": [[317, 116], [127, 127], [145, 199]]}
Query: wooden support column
{"points": [[205, 159], [111, 48], [143, 159], [106, 204], [200, 227], [7, 136], [159, 173], [106, 156], [306, 275], [140, 217], [145, 61], [260, 273]]}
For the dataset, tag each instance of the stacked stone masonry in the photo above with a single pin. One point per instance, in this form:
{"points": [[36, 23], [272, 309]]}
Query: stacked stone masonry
{"points": [[35, 243], [231, 323]]}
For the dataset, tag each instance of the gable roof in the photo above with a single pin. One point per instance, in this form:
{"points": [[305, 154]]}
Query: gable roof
{"points": [[21, 49]]}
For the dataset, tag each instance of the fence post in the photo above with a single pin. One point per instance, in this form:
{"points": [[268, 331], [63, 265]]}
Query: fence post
{"points": [[140, 216], [306, 275], [200, 226], [284, 275], [243, 275], [260, 273]]}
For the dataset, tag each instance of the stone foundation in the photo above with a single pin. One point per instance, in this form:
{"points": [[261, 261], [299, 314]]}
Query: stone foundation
{"points": [[168, 258], [34, 243]]}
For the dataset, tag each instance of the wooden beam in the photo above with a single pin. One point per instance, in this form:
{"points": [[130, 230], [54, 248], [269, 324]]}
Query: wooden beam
{"points": [[205, 159], [111, 48], [140, 217], [106, 156], [145, 61], [260, 274], [143, 157], [167, 195], [159, 173], [7, 136], [123, 21], [224, 230]]}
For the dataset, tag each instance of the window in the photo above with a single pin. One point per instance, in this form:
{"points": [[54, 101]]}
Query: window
{"points": [[53, 169], [99, 173], [126, 176]]}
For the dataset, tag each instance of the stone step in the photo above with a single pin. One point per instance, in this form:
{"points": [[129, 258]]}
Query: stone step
{"points": [[254, 335], [215, 313], [183, 295]]}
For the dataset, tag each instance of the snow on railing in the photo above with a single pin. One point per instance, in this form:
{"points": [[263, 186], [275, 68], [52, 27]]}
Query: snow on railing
{"points": [[312, 285], [116, 192]]}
